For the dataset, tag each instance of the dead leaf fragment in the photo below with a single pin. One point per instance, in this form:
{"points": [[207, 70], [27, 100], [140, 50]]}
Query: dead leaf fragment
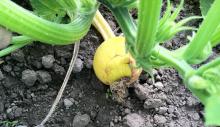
{"points": [[5, 37]]}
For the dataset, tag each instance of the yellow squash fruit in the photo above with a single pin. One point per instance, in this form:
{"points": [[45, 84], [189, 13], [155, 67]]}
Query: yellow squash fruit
{"points": [[112, 63]]}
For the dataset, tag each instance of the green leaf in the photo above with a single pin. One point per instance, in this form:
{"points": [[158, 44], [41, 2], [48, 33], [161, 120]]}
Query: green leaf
{"points": [[55, 10], [212, 110], [72, 7], [121, 3], [48, 9], [205, 5]]}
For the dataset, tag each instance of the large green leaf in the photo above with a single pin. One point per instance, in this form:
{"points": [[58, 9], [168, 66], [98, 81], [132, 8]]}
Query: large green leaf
{"points": [[205, 5], [48, 9], [212, 110]]}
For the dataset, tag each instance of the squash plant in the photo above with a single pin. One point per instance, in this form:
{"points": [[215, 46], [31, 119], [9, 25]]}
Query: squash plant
{"points": [[62, 22], [143, 43]]}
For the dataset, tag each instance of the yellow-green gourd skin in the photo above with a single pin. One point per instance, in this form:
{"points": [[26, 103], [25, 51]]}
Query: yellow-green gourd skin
{"points": [[111, 62]]}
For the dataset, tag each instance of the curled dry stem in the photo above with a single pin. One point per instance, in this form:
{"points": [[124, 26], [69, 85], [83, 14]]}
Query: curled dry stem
{"points": [[66, 79]]}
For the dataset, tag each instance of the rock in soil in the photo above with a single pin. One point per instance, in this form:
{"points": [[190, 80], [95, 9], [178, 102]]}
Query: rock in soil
{"points": [[89, 64], [29, 77], [134, 120], [78, 66], [162, 110], [153, 103], [127, 111], [159, 119], [48, 61], [9, 81], [141, 91], [159, 85], [194, 115], [7, 68], [18, 56], [67, 103], [81, 120], [37, 64], [14, 112], [43, 77], [192, 101], [112, 124], [59, 69]]}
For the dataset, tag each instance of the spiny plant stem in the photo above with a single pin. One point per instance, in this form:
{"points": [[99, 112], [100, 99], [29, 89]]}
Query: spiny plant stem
{"points": [[167, 57], [26, 23], [17, 43], [149, 13], [205, 32], [209, 65]]}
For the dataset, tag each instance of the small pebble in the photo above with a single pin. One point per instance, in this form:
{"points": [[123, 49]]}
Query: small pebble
{"points": [[153, 103], [14, 112], [141, 91], [162, 110], [160, 119], [9, 82], [89, 64], [127, 111], [16, 68], [67, 103], [81, 120], [43, 77], [93, 114], [59, 69], [116, 120], [158, 77], [48, 61], [7, 68], [159, 85], [29, 77], [78, 66], [192, 101], [37, 64], [194, 116], [171, 109], [18, 55], [134, 120], [112, 124]]}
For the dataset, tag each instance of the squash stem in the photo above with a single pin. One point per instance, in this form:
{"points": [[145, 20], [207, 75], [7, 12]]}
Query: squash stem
{"points": [[205, 32], [102, 26]]}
